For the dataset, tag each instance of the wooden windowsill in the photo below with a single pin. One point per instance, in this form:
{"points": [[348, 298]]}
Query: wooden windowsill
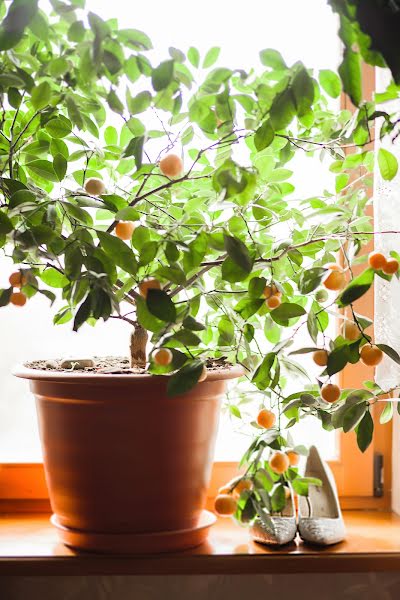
{"points": [[29, 546]]}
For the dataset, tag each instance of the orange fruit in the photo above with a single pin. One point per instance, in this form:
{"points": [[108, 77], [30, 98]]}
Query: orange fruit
{"points": [[321, 296], [273, 302], [391, 266], [371, 355], [171, 166], [330, 392], [376, 260], [225, 505], [271, 290], [335, 278], [94, 186], [148, 284], [203, 375], [163, 357], [266, 418], [350, 331], [279, 462], [294, 458], [243, 484], [124, 230], [320, 357], [18, 299], [17, 279]]}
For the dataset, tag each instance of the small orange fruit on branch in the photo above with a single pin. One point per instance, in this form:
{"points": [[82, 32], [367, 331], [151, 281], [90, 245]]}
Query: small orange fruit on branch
{"points": [[279, 462], [271, 290], [273, 302], [148, 284], [95, 186], [335, 278], [171, 166], [391, 267], [18, 299], [17, 279], [376, 260], [320, 357], [330, 392], [225, 505], [124, 230], [371, 355], [294, 457], [266, 418], [163, 357], [242, 484], [350, 331]]}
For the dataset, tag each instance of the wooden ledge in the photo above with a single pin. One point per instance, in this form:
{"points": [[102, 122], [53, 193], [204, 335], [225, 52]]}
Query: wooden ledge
{"points": [[29, 546]]}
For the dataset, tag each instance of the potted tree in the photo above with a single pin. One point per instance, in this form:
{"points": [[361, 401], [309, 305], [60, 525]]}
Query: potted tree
{"points": [[156, 194]]}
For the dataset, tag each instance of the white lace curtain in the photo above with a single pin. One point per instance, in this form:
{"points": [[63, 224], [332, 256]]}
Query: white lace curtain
{"points": [[387, 218]]}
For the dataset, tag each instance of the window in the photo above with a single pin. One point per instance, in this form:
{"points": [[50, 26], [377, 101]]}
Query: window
{"points": [[241, 31]]}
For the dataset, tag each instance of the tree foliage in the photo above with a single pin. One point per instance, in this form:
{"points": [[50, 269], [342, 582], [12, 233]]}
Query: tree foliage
{"points": [[81, 99]]}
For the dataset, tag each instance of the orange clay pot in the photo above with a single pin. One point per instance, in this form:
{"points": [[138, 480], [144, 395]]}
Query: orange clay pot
{"points": [[127, 467]]}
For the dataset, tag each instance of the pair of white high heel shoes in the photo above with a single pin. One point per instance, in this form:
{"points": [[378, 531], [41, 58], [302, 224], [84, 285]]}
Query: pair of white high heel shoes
{"points": [[320, 518]]}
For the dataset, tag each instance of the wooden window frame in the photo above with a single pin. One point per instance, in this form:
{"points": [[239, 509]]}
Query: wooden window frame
{"points": [[23, 485]]}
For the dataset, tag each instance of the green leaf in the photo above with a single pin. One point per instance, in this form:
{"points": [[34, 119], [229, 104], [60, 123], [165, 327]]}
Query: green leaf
{"points": [[185, 379], [5, 296], [353, 416], [60, 166], [226, 330], [247, 307], [310, 279], [365, 432], [287, 310], [238, 252], [264, 136], [54, 278], [272, 58], [135, 149], [388, 165], [40, 95], [337, 359], [278, 499], [114, 102], [83, 313], [194, 56], [19, 15], [211, 57], [283, 110], [139, 103], [191, 323], [350, 74], [5, 223], [127, 214], [330, 83], [186, 337], [303, 90], [356, 288], [120, 252], [160, 305], [312, 326], [162, 76], [43, 168], [387, 413], [262, 375], [390, 352], [59, 127]]}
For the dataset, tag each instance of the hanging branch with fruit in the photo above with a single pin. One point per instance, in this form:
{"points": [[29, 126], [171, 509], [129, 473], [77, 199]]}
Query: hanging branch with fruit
{"points": [[163, 196]]}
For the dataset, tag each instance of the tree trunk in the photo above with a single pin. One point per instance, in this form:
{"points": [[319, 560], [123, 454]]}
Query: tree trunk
{"points": [[139, 339]]}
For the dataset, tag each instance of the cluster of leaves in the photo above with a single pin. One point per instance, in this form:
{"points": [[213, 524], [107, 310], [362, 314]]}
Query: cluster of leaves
{"points": [[369, 31], [80, 98]]}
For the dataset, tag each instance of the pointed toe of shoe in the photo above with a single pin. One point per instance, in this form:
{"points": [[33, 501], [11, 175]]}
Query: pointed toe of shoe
{"points": [[323, 532], [282, 532]]}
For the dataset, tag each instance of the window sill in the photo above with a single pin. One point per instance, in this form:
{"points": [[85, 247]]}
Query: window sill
{"points": [[29, 546]]}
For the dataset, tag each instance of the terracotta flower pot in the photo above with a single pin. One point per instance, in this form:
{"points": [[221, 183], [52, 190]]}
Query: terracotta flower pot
{"points": [[127, 467]]}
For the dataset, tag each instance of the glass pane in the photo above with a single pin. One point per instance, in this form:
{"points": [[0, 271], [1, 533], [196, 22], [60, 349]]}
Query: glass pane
{"points": [[242, 30]]}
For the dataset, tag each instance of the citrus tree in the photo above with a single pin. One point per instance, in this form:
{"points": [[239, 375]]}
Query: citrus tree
{"points": [[162, 195]]}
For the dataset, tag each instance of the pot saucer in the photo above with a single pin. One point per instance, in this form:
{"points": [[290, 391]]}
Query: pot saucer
{"points": [[136, 543]]}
